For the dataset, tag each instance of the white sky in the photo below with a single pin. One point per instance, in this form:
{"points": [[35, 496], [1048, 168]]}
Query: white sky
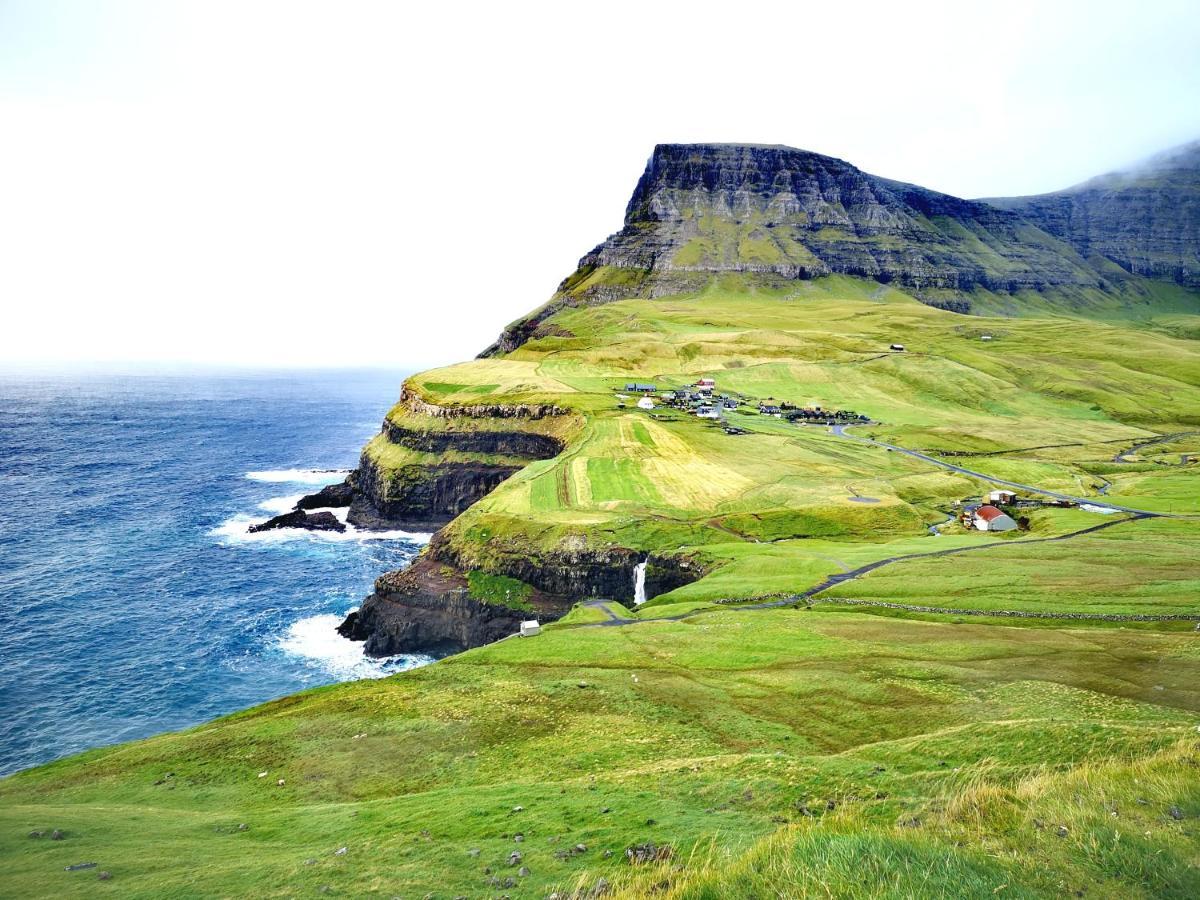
{"points": [[353, 183]]}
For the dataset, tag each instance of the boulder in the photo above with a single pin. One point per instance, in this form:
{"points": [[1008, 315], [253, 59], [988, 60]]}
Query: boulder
{"points": [[321, 521]]}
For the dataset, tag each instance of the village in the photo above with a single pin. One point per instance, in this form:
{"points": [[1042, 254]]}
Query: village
{"points": [[703, 400], [1002, 511]]}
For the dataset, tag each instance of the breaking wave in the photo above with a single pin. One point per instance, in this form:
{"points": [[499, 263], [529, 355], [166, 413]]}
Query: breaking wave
{"points": [[316, 640], [299, 476]]}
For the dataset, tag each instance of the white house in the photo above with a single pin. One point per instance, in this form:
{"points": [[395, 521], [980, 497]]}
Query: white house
{"points": [[988, 518], [530, 627], [1002, 497], [645, 403]]}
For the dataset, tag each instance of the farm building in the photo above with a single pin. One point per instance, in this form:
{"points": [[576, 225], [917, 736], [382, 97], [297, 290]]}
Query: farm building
{"points": [[638, 388], [1001, 497], [988, 518], [530, 627], [645, 403]]}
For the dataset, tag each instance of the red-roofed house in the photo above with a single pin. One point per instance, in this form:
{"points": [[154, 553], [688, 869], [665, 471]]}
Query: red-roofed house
{"points": [[988, 518]]}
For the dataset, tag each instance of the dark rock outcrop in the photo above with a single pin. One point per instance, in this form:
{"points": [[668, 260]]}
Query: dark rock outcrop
{"points": [[426, 608], [420, 497], [582, 574], [332, 496], [527, 445], [321, 521]]}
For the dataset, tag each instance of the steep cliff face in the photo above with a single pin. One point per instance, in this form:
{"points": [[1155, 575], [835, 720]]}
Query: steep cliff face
{"points": [[429, 462], [780, 213], [1146, 220], [428, 607]]}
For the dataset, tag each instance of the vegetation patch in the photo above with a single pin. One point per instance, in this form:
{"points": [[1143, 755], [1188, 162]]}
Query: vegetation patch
{"points": [[499, 590]]}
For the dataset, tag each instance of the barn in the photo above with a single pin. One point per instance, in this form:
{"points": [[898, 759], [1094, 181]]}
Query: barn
{"points": [[988, 518]]}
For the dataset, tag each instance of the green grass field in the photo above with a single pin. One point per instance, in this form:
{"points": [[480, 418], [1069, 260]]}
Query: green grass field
{"points": [[752, 740], [832, 751]]}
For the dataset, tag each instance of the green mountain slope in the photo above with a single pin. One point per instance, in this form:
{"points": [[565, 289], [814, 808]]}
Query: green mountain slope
{"points": [[1146, 219], [777, 214]]}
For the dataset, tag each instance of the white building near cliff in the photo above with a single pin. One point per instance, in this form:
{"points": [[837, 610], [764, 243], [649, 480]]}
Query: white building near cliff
{"points": [[530, 628]]}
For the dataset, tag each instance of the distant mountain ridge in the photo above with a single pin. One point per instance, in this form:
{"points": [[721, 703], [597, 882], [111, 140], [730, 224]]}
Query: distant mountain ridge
{"points": [[777, 213], [1145, 219]]}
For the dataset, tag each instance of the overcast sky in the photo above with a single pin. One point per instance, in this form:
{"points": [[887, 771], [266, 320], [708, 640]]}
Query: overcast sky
{"points": [[355, 183]]}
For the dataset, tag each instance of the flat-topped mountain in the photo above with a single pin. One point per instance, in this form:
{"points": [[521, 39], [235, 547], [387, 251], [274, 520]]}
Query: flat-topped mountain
{"points": [[773, 213], [1145, 219]]}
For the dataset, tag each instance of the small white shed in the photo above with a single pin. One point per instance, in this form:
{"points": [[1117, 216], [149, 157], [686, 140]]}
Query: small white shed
{"points": [[530, 627], [1002, 497]]}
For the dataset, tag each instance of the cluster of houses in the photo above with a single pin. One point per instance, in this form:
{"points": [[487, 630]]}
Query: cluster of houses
{"points": [[702, 400]]}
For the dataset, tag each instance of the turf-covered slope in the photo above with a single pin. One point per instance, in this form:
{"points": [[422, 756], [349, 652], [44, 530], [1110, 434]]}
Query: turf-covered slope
{"points": [[1145, 219], [785, 214], [720, 516]]}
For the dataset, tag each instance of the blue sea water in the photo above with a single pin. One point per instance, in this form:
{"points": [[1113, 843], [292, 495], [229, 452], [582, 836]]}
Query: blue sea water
{"points": [[131, 599]]}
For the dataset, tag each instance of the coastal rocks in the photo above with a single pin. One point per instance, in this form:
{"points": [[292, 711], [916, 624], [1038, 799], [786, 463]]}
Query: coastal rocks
{"points": [[415, 404], [332, 496], [528, 445], [578, 572], [321, 521], [427, 608], [420, 497]]}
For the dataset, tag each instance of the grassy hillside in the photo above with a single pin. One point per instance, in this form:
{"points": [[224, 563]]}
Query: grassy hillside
{"points": [[842, 752], [1048, 402], [820, 747]]}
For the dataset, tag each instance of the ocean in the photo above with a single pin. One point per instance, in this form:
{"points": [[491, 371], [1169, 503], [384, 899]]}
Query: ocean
{"points": [[132, 600]]}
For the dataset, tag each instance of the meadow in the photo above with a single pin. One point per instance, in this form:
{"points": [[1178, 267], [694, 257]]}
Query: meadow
{"points": [[841, 752], [696, 747]]}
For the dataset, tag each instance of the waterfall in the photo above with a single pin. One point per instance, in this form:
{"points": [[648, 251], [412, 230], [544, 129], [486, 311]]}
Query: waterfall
{"points": [[639, 583]]}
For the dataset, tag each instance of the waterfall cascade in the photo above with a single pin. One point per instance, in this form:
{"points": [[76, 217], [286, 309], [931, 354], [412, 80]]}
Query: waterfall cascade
{"points": [[639, 583]]}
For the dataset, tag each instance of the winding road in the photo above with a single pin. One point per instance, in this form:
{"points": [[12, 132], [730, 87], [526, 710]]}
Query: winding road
{"points": [[840, 431], [614, 619]]}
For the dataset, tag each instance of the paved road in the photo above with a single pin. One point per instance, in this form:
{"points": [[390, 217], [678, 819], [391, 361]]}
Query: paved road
{"points": [[613, 619], [840, 431], [842, 577]]}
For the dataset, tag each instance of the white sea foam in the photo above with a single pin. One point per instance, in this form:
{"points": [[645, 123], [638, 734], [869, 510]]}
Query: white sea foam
{"points": [[315, 638], [236, 530], [299, 476], [277, 505]]}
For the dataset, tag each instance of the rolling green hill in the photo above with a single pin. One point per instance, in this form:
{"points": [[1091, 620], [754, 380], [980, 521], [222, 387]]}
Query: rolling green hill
{"points": [[834, 687]]}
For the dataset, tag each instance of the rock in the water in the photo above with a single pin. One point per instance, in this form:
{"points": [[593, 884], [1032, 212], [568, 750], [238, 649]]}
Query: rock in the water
{"points": [[332, 496], [321, 521]]}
